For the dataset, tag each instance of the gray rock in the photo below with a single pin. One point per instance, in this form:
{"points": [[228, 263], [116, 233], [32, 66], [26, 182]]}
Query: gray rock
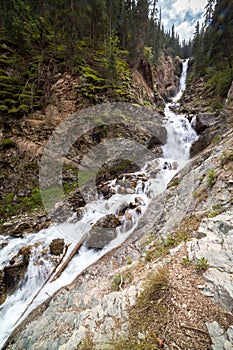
{"points": [[216, 247], [103, 232], [230, 334], [221, 340]]}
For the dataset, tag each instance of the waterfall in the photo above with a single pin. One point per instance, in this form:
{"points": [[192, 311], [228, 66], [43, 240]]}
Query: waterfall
{"points": [[180, 136]]}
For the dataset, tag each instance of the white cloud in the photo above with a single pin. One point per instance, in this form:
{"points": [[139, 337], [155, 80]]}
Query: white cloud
{"points": [[185, 30], [183, 14], [193, 5]]}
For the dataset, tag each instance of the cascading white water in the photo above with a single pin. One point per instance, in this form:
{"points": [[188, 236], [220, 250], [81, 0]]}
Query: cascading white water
{"points": [[180, 135], [180, 132]]}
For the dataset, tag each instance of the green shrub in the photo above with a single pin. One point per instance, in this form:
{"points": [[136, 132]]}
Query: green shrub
{"points": [[220, 82]]}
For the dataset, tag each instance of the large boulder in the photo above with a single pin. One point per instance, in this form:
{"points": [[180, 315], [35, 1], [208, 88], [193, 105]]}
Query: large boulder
{"points": [[204, 121], [102, 232], [56, 246]]}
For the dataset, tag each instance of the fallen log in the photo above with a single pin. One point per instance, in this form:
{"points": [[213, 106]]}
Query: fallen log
{"points": [[70, 257]]}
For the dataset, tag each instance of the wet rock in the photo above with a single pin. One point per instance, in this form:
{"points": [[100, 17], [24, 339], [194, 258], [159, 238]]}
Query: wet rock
{"points": [[103, 232], [201, 143], [170, 92], [76, 200], [3, 244], [204, 121], [56, 246], [115, 168], [105, 190], [122, 209], [20, 229], [13, 273]]}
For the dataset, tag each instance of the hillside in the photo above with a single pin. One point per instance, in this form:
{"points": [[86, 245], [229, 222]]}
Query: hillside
{"points": [[116, 215]]}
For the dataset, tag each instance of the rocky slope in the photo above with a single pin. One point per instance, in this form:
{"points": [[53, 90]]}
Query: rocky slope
{"points": [[188, 229]]}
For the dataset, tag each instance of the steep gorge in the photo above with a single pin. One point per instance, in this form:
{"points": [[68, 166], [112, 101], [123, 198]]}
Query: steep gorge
{"points": [[201, 192]]}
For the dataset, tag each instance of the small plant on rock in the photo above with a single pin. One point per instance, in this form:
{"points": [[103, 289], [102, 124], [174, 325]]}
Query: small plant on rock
{"points": [[185, 261], [170, 241], [117, 282], [202, 264], [211, 178]]}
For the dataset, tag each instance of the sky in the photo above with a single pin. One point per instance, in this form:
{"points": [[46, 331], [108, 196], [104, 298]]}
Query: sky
{"points": [[183, 14]]}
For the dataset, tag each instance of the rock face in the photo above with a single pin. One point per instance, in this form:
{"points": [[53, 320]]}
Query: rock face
{"points": [[221, 340], [209, 128], [167, 76], [216, 247], [57, 246], [103, 232]]}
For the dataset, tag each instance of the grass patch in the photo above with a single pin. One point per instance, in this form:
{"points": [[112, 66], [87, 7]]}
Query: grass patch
{"points": [[185, 261], [227, 158], [148, 316]]}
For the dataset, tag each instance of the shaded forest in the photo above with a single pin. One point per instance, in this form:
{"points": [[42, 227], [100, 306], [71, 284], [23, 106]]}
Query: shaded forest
{"points": [[100, 40], [97, 39], [213, 48]]}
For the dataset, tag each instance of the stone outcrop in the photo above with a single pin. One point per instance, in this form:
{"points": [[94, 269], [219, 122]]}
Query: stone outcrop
{"points": [[102, 232], [216, 248], [166, 77], [221, 339]]}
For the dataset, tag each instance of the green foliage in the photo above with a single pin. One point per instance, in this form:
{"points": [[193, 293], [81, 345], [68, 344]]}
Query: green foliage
{"points": [[211, 177], [185, 261], [3, 108], [129, 261], [85, 344], [202, 264], [216, 209], [169, 241], [119, 281], [148, 53], [148, 256], [116, 282], [220, 82], [213, 50]]}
